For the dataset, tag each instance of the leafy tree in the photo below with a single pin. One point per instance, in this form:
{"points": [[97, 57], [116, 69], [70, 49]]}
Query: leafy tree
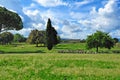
{"points": [[42, 36], [9, 20], [19, 38], [31, 37], [39, 38], [36, 37], [51, 35], [6, 38], [116, 40], [99, 39]]}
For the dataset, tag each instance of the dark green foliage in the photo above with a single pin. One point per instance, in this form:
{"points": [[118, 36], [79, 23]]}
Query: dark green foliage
{"points": [[31, 37], [51, 35], [116, 40], [48, 35], [36, 37], [54, 36], [99, 39], [19, 38], [40, 38], [9, 20], [58, 39], [6, 38]]}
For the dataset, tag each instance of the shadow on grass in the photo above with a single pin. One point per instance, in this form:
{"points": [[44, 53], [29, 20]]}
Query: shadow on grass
{"points": [[1, 52], [22, 52]]}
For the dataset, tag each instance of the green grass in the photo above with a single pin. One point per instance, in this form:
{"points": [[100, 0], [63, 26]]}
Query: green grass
{"points": [[59, 66], [21, 48], [27, 48], [27, 62]]}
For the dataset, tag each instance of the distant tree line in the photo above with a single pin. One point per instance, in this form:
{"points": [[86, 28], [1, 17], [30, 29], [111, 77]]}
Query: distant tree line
{"points": [[8, 38], [19, 38]]}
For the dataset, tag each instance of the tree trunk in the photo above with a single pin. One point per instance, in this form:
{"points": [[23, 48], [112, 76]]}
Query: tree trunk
{"points": [[0, 28], [97, 49], [36, 44]]}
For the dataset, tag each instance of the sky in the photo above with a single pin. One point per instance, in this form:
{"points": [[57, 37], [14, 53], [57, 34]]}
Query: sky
{"points": [[73, 19]]}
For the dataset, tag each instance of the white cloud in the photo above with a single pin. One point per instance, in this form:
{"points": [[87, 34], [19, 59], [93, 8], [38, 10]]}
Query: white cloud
{"points": [[37, 22], [78, 15], [105, 19], [84, 2], [115, 34], [24, 31], [75, 35], [108, 18], [93, 11], [38, 26], [71, 30], [50, 3]]}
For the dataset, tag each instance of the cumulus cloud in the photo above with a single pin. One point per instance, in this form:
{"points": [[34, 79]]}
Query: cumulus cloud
{"points": [[34, 15], [70, 30], [115, 34], [37, 22], [105, 19], [78, 15], [50, 3], [24, 31]]}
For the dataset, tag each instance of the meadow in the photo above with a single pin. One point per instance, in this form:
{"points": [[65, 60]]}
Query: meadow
{"points": [[24, 48], [27, 48], [27, 62]]}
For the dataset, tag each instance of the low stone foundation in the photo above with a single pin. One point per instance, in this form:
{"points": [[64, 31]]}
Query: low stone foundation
{"points": [[76, 51]]}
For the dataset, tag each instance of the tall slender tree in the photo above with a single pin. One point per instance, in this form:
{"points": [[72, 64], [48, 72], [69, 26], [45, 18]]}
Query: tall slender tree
{"points": [[51, 35]]}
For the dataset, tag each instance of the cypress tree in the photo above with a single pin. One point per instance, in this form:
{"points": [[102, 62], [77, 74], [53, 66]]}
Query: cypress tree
{"points": [[51, 35]]}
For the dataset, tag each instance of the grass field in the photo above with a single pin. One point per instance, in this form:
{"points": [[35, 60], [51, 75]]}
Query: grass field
{"points": [[27, 62], [26, 48], [59, 66]]}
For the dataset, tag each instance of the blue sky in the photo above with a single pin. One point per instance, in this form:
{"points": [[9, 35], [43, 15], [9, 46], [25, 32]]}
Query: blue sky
{"points": [[74, 19]]}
